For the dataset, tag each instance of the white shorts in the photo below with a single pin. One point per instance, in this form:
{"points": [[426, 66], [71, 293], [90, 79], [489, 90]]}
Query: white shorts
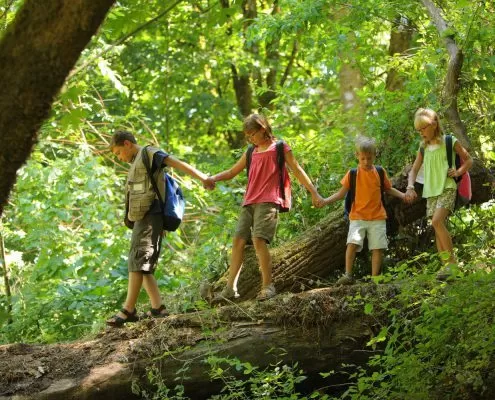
{"points": [[376, 231]]}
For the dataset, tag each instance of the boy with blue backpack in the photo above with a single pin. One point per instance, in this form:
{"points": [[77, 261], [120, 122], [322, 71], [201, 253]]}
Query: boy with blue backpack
{"points": [[363, 189], [147, 216]]}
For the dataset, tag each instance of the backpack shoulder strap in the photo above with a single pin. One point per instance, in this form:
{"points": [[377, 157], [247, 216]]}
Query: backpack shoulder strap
{"points": [[381, 174], [249, 154], [279, 146], [280, 153], [146, 162], [448, 147], [351, 194], [422, 151]]}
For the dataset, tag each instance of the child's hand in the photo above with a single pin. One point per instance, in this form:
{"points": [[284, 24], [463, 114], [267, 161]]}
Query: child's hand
{"points": [[410, 195], [209, 183], [317, 200], [452, 173]]}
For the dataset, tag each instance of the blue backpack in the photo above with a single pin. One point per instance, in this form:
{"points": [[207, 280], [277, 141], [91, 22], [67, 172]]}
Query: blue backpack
{"points": [[173, 205], [351, 194]]}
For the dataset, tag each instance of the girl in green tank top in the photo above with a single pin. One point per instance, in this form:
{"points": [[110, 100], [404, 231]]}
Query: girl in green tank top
{"points": [[439, 186]]}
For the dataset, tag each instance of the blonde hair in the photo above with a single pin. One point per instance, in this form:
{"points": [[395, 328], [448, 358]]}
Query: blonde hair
{"points": [[426, 116], [255, 122], [365, 145]]}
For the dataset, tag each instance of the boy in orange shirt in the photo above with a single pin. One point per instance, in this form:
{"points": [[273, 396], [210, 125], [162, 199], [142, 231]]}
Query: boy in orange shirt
{"points": [[367, 215]]}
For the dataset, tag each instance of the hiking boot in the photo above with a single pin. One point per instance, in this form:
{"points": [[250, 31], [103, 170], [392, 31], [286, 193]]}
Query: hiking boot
{"points": [[444, 274], [267, 292], [345, 280]]}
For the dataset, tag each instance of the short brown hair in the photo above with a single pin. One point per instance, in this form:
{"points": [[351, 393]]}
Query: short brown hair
{"points": [[120, 137], [365, 145]]}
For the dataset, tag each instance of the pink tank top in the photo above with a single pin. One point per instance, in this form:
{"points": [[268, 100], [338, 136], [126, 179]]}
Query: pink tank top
{"points": [[263, 182]]}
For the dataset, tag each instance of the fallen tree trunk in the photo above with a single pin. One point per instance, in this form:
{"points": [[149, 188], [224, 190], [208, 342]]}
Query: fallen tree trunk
{"points": [[319, 252], [317, 329]]}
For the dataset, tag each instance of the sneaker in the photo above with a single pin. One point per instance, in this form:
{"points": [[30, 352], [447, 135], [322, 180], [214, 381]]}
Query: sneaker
{"points": [[267, 292], [345, 280], [444, 274]]}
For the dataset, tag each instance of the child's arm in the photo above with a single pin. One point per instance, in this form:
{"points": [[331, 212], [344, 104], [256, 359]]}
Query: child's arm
{"points": [[303, 178], [410, 191], [232, 172], [336, 196], [467, 161], [396, 193], [186, 168]]}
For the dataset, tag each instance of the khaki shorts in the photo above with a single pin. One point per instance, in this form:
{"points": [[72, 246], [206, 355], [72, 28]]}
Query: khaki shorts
{"points": [[146, 243], [445, 200], [258, 220], [375, 231]]}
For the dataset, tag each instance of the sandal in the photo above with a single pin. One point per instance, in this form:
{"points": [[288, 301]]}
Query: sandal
{"points": [[156, 312], [118, 321]]}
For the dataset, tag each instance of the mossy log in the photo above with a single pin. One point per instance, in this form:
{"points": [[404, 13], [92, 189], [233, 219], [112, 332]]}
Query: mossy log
{"points": [[318, 329], [319, 252], [37, 53]]}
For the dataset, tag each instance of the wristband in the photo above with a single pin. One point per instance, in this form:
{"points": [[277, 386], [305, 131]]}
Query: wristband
{"points": [[410, 187]]}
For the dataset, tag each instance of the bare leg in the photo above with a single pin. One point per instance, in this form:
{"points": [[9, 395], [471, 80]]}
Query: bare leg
{"points": [[151, 287], [376, 261], [442, 235], [236, 260], [350, 256], [264, 259], [133, 289]]}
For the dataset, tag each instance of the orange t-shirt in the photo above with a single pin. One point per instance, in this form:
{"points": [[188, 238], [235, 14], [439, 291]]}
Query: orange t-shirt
{"points": [[367, 205]]}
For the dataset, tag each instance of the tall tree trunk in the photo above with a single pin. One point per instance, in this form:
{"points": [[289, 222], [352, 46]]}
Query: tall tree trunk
{"points": [[5, 268], [350, 81], [452, 80], [400, 43], [37, 52]]}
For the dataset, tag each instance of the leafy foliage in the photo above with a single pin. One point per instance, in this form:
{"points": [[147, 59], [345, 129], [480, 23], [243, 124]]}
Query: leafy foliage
{"points": [[167, 73], [440, 332]]}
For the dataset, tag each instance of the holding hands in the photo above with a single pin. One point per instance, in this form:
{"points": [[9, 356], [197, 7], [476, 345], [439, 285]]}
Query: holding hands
{"points": [[209, 183], [411, 194]]}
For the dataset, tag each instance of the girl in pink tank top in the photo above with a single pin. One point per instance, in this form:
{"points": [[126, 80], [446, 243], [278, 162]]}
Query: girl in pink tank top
{"points": [[262, 201]]}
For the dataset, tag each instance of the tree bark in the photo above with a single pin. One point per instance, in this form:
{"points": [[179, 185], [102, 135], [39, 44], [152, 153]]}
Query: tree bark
{"points": [[452, 82], [400, 43], [319, 252], [37, 53], [317, 329]]}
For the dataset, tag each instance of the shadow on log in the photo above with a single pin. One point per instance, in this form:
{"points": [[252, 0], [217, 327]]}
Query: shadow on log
{"points": [[320, 251]]}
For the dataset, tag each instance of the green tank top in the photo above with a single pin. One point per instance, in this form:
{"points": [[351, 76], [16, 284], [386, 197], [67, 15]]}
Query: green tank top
{"points": [[435, 170]]}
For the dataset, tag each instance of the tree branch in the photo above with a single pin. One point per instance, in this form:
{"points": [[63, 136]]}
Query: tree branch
{"points": [[452, 80]]}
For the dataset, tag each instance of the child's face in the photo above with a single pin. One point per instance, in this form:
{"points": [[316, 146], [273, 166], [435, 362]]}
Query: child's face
{"points": [[255, 137], [366, 160], [124, 153], [427, 129]]}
